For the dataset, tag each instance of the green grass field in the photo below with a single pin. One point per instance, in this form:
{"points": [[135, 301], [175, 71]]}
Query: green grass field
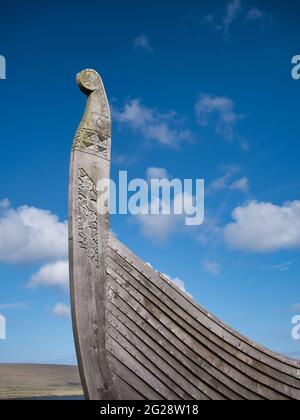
{"points": [[28, 381]]}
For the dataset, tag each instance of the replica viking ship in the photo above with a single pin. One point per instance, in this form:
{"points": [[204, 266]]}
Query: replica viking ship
{"points": [[137, 335]]}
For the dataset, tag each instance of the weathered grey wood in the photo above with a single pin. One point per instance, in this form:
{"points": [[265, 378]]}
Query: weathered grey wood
{"points": [[196, 374], [137, 335], [265, 379], [160, 302], [144, 355], [125, 390], [122, 371], [289, 366], [187, 345], [139, 369], [87, 238], [176, 370]]}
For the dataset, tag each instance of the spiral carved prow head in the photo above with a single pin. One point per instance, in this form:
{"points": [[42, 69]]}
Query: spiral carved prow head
{"points": [[88, 81]]}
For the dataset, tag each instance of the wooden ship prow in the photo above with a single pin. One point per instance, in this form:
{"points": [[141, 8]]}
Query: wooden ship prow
{"points": [[137, 335]]}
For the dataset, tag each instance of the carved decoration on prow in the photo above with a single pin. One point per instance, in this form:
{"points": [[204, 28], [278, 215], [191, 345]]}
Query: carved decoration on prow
{"points": [[87, 216], [93, 142], [94, 134]]}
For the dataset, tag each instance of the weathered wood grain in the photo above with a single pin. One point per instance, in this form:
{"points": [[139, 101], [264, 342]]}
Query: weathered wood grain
{"points": [[137, 335], [162, 310]]}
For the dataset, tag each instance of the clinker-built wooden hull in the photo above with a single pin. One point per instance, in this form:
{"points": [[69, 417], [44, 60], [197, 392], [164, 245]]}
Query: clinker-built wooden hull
{"points": [[137, 335]]}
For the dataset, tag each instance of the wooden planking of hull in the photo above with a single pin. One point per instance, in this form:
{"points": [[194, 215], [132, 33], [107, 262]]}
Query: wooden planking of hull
{"points": [[137, 336]]}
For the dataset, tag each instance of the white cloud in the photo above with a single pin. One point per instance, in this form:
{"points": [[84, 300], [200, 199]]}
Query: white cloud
{"points": [[157, 173], [142, 42], [241, 184], [62, 310], [4, 203], [178, 282], [152, 125], [29, 234], [264, 227], [52, 275], [218, 111], [211, 267]]}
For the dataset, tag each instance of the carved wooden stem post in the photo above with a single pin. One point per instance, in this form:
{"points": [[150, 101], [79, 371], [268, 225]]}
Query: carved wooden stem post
{"points": [[137, 335], [88, 230]]}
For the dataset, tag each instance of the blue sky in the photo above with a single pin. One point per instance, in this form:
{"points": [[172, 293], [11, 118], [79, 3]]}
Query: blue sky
{"points": [[200, 90]]}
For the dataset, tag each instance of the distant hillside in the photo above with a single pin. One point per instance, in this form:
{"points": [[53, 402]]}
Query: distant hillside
{"points": [[25, 381]]}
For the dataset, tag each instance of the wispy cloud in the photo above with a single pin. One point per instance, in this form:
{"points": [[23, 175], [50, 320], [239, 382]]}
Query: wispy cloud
{"points": [[15, 306], [235, 11], [218, 112], [286, 266], [142, 42], [124, 160], [223, 182], [164, 128], [227, 181], [256, 15], [241, 184], [211, 267]]}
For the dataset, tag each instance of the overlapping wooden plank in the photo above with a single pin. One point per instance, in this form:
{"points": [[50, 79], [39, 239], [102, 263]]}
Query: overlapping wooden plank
{"points": [[184, 370], [194, 309], [163, 290], [138, 369], [213, 359], [158, 357], [125, 390], [146, 357], [176, 343], [176, 365], [121, 370]]}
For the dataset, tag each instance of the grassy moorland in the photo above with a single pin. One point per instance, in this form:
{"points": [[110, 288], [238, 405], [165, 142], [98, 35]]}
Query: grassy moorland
{"points": [[28, 381]]}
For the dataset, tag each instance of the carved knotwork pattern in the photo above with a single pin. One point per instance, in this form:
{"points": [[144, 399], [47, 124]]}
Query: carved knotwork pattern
{"points": [[93, 142], [87, 217]]}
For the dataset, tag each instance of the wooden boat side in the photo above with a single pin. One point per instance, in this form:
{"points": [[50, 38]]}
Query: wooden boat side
{"points": [[137, 335], [236, 366]]}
